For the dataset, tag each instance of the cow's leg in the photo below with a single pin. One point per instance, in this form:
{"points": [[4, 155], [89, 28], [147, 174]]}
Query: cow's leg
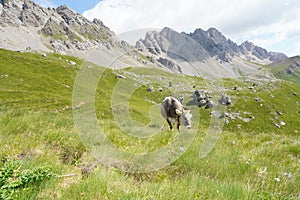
{"points": [[170, 124], [178, 122]]}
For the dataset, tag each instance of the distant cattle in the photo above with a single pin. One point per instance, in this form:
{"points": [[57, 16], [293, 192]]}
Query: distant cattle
{"points": [[171, 109]]}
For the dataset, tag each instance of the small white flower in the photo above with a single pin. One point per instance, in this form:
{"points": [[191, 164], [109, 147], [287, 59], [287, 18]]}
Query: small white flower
{"points": [[248, 162], [277, 179]]}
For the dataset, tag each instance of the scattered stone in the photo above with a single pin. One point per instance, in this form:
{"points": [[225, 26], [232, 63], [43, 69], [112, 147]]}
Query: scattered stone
{"points": [[225, 100], [209, 104], [202, 103], [257, 99], [294, 93], [150, 89], [272, 96], [119, 75], [200, 97], [282, 123], [279, 112], [226, 121], [233, 142], [246, 120], [72, 63], [160, 89], [277, 125], [44, 55], [181, 99], [287, 174]]}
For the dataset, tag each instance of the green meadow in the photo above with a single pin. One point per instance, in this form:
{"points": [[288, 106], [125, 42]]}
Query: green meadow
{"points": [[45, 155]]}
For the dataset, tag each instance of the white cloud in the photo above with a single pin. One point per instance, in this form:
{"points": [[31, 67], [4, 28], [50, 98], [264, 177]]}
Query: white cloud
{"points": [[296, 50], [236, 18]]}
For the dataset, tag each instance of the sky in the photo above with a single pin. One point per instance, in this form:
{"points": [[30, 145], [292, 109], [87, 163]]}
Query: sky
{"points": [[271, 24]]}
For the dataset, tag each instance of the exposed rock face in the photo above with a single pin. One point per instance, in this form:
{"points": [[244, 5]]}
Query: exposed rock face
{"points": [[218, 45], [215, 43], [290, 66], [33, 14], [293, 67], [206, 52], [248, 48], [169, 64], [178, 46], [64, 28], [201, 45]]}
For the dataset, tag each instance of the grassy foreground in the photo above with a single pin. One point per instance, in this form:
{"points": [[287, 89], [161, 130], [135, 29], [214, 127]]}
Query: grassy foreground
{"points": [[43, 157]]}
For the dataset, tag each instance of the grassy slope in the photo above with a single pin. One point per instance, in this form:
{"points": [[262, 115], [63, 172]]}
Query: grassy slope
{"points": [[37, 129], [278, 70]]}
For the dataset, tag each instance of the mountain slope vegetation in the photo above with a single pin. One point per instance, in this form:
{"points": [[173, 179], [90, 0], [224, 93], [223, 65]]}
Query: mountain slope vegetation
{"points": [[256, 157], [287, 69]]}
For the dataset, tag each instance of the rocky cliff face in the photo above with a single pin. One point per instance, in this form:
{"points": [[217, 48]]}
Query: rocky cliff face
{"points": [[201, 45], [62, 28]]}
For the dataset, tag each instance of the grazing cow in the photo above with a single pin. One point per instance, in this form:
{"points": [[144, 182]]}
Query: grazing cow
{"points": [[171, 108]]}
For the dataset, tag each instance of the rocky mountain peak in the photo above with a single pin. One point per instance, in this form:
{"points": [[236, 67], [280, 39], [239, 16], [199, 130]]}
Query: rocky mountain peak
{"points": [[9, 3], [247, 45], [166, 31], [64, 28], [201, 46], [70, 17], [216, 35]]}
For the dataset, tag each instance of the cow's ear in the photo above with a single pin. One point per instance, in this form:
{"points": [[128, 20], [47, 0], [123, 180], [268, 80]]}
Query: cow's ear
{"points": [[178, 112]]}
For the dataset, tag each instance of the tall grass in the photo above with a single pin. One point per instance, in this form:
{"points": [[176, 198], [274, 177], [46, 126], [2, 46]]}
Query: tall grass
{"points": [[251, 160]]}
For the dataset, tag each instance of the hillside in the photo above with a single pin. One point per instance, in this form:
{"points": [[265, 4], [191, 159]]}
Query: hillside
{"points": [[205, 53], [45, 153], [287, 69], [27, 26]]}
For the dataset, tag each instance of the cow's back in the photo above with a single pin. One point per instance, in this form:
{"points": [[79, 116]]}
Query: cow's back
{"points": [[168, 107]]}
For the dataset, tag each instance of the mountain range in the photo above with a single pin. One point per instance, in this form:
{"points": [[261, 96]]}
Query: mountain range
{"points": [[26, 26]]}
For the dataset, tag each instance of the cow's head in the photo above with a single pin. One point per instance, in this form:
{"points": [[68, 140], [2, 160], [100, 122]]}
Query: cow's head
{"points": [[186, 117]]}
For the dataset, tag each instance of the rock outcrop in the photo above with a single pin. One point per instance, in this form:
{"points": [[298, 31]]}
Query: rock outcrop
{"points": [[63, 28], [201, 45]]}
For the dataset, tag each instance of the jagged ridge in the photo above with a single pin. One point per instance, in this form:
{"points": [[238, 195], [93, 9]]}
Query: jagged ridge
{"points": [[64, 28], [212, 43]]}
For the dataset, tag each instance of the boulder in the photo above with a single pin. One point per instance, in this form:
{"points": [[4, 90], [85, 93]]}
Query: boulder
{"points": [[225, 100]]}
